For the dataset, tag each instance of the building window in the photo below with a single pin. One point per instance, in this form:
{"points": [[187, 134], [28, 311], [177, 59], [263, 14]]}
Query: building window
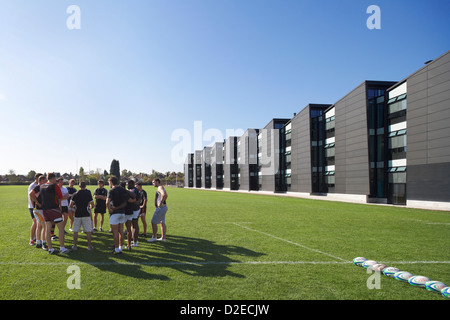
{"points": [[397, 104], [397, 146]]}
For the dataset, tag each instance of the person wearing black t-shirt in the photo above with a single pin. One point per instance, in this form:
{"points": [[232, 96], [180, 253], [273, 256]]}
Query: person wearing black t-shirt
{"points": [[83, 202], [134, 193], [129, 213], [115, 203], [72, 191], [142, 206], [100, 195]]}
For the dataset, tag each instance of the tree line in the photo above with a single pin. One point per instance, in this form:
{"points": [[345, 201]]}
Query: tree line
{"points": [[91, 177]]}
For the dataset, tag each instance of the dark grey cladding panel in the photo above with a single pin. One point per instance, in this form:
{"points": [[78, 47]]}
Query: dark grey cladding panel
{"points": [[429, 182], [428, 114], [301, 154], [352, 167]]}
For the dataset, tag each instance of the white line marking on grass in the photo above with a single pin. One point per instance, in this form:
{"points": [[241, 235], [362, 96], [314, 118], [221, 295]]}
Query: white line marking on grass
{"points": [[428, 222], [291, 242], [194, 263], [417, 262], [169, 263], [443, 223]]}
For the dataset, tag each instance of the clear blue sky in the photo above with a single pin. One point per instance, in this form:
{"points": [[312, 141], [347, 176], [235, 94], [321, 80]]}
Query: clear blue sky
{"points": [[138, 71]]}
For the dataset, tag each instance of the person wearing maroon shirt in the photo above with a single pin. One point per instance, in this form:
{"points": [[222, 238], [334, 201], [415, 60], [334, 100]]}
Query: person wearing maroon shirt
{"points": [[51, 196]]}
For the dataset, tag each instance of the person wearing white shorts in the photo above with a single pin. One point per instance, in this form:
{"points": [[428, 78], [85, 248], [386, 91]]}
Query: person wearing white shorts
{"points": [[85, 222], [136, 210], [116, 202], [159, 216], [41, 230], [117, 218]]}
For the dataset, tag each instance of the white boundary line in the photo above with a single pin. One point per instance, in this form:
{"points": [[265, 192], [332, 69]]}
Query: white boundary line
{"points": [[200, 263], [291, 242], [156, 263]]}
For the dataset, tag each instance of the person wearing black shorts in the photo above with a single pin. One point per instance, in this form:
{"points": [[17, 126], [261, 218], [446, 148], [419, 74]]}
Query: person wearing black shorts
{"points": [[142, 206], [100, 195]]}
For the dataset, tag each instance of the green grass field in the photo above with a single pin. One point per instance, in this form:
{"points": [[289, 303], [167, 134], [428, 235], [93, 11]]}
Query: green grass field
{"points": [[223, 245]]}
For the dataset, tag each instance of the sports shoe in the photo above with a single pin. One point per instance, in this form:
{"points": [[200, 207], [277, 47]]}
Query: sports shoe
{"points": [[32, 242], [74, 248], [38, 245], [52, 251], [64, 250], [162, 239], [152, 240], [115, 252]]}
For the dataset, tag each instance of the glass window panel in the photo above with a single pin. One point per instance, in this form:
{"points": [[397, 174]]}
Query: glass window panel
{"points": [[392, 100], [402, 96]]}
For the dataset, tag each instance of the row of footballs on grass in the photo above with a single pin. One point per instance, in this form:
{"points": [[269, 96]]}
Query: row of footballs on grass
{"points": [[404, 276]]}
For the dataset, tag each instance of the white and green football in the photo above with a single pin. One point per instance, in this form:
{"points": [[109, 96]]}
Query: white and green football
{"points": [[368, 263], [390, 271], [418, 281], [358, 261], [403, 276], [435, 286]]}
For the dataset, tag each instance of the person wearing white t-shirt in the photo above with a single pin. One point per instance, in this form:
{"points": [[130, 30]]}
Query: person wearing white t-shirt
{"points": [[64, 201], [31, 208]]}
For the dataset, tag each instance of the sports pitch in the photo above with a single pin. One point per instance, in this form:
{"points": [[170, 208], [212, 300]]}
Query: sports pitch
{"points": [[234, 246]]}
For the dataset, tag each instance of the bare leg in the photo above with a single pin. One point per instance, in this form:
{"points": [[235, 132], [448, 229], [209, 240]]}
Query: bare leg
{"points": [[135, 230], [163, 230]]}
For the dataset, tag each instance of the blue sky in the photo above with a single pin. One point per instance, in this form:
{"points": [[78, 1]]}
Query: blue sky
{"points": [[137, 72]]}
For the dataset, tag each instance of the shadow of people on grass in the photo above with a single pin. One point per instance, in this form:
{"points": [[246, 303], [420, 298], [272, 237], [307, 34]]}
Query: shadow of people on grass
{"points": [[192, 256]]}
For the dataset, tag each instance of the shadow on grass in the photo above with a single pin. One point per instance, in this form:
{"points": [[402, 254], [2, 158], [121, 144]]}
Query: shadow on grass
{"points": [[191, 256]]}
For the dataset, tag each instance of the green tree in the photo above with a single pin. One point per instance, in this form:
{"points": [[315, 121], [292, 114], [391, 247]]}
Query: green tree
{"points": [[31, 174], [115, 168], [12, 177], [81, 174]]}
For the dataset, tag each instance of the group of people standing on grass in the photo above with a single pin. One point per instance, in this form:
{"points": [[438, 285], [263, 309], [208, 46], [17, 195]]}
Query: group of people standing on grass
{"points": [[53, 205]]}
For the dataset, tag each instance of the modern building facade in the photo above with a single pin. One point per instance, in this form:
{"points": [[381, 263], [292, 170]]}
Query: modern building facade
{"points": [[247, 156], [197, 168], [217, 159], [357, 137], [206, 168], [383, 142], [230, 164], [304, 154], [189, 171], [271, 156], [419, 131]]}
